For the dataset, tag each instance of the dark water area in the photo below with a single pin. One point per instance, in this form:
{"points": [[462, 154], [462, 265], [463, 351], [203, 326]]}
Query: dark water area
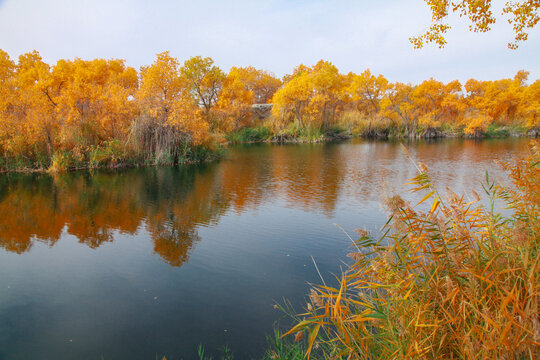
{"points": [[151, 262]]}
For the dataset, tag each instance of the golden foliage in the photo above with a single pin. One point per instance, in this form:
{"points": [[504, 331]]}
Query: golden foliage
{"points": [[204, 81], [522, 15], [66, 115], [168, 98], [312, 96], [242, 88]]}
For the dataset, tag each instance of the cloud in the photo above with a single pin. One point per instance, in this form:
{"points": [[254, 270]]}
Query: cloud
{"points": [[275, 35]]}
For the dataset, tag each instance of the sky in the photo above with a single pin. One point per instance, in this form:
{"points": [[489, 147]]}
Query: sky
{"points": [[274, 35]]}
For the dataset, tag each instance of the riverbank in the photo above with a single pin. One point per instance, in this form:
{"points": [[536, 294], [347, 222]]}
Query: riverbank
{"points": [[264, 134], [115, 155], [111, 155]]}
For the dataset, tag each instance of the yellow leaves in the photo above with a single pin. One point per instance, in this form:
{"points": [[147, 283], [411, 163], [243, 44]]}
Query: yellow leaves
{"points": [[203, 80], [94, 93], [161, 85], [366, 91], [476, 124], [428, 195], [242, 88], [190, 120], [79, 103], [529, 107], [167, 94], [298, 327], [434, 34], [435, 205], [312, 337], [311, 96], [523, 15]]}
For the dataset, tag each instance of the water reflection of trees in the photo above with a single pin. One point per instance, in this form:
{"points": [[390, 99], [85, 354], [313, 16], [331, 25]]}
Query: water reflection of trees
{"points": [[170, 204], [167, 203]]}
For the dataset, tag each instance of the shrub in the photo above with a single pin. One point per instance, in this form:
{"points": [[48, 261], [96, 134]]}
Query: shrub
{"points": [[62, 161]]}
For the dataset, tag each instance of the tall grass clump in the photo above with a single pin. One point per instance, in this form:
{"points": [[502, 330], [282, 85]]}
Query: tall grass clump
{"points": [[307, 133], [371, 127], [457, 281], [247, 135], [153, 142]]}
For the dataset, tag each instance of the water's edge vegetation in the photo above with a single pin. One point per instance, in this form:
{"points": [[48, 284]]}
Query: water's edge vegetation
{"points": [[102, 113]]}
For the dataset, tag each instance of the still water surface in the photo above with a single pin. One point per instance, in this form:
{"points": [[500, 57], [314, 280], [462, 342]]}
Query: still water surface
{"points": [[140, 263]]}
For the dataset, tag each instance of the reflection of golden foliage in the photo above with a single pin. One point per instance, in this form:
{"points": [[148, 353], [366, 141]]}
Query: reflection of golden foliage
{"points": [[173, 244], [26, 216], [94, 207]]}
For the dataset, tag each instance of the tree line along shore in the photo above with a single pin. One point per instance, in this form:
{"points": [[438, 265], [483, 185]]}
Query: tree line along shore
{"points": [[102, 113]]}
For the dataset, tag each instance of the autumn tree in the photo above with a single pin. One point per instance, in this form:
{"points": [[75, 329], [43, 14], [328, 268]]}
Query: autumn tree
{"points": [[529, 107], [161, 86], [204, 81], [34, 125], [365, 92], [313, 96], [242, 88], [95, 112], [522, 15], [93, 100], [171, 118], [399, 106], [436, 103], [7, 90], [290, 101], [262, 83], [495, 101]]}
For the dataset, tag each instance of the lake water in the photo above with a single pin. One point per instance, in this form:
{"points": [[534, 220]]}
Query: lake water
{"points": [[142, 263]]}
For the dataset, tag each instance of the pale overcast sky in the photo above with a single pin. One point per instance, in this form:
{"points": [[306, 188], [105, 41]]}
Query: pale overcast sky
{"points": [[274, 35]]}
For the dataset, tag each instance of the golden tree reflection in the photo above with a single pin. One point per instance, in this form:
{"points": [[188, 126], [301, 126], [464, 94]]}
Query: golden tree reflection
{"points": [[170, 204]]}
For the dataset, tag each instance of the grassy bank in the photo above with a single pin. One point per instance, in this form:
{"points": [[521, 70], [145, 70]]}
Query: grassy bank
{"points": [[112, 154], [117, 154], [311, 134]]}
